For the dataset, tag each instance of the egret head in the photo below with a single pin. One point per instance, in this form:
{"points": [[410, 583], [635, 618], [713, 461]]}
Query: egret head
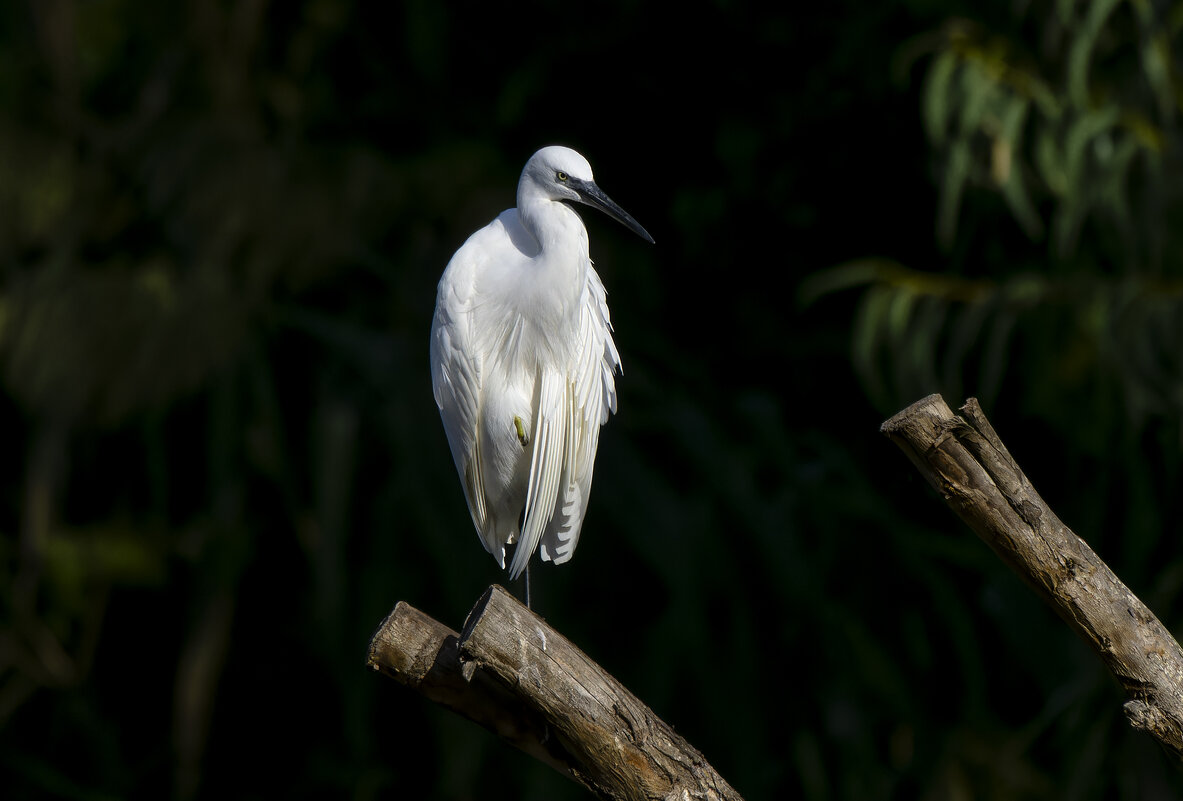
{"points": [[559, 173]]}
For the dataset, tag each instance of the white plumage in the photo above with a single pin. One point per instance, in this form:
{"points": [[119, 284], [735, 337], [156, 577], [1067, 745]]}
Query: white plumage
{"points": [[523, 362]]}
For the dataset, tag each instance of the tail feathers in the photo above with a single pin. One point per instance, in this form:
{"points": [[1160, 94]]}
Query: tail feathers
{"points": [[562, 535]]}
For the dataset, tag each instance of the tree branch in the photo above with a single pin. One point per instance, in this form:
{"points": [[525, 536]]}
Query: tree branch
{"points": [[516, 676], [963, 458]]}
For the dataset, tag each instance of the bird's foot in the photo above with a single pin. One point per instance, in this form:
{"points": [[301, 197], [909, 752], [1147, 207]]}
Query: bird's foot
{"points": [[522, 436]]}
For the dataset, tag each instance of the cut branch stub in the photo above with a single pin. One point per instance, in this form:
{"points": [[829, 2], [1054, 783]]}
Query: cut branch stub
{"points": [[423, 654], [516, 676], [623, 750], [963, 458]]}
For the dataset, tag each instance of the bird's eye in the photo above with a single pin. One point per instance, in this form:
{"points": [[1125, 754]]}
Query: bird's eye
{"points": [[562, 176]]}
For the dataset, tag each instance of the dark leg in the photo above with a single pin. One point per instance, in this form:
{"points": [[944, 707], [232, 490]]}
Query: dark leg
{"points": [[528, 586]]}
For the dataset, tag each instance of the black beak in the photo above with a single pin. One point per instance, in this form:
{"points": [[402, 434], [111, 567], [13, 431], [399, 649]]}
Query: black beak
{"points": [[593, 196]]}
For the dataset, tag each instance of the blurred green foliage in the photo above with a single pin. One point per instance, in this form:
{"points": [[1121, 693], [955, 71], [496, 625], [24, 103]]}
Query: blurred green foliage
{"points": [[1077, 134], [221, 224]]}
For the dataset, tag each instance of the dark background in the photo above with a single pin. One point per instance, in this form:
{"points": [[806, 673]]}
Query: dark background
{"points": [[221, 226]]}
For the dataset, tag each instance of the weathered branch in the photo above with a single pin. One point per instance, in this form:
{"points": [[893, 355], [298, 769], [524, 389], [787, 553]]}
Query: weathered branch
{"points": [[965, 461], [423, 654], [516, 676]]}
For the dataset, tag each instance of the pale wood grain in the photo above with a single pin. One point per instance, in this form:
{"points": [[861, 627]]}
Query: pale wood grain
{"points": [[963, 458]]}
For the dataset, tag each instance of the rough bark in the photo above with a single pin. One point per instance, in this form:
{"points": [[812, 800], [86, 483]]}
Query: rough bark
{"points": [[423, 654], [963, 458], [521, 679]]}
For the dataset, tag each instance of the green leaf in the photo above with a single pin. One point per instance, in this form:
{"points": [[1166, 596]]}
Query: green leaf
{"points": [[965, 330], [899, 314], [981, 93], [1080, 53], [1014, 188], [842, 276], [870, 324], [919, 354], [1156, 66], [995, 358], [1081, 133], [937, 96], [956, 173]]}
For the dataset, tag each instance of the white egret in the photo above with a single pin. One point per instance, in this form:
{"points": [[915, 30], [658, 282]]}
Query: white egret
{"points": [[523, 362]]}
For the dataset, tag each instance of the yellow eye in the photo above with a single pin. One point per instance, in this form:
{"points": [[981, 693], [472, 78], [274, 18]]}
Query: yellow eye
{"points": [[562, 176]]}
